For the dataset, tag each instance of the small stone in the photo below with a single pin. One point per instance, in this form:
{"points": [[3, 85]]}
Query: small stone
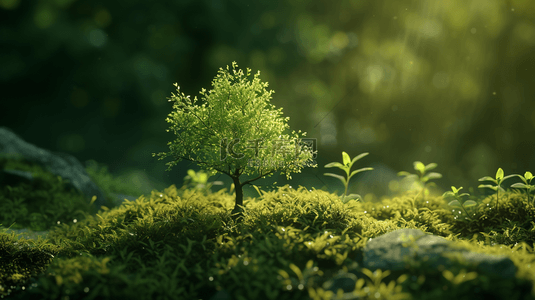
{"points": [[387, 252]]}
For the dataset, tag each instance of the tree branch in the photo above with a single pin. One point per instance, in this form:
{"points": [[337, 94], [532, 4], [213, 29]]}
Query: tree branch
{"points": [[256, 178]]}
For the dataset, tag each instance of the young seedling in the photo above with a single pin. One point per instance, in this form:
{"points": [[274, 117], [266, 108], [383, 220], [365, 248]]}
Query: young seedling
{"points": [[498, 181], [346, 166], [235, 130], [458, 202], [526, 185], [422, 178]]}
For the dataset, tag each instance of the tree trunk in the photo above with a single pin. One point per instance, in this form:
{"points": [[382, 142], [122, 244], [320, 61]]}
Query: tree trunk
{"points": [[238, 211]]}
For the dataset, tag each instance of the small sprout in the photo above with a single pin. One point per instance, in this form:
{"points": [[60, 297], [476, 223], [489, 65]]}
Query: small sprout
{"points": [[422, 178], [199, 181], [346, 166], [526, 185], [459, 202], [498, 181]]}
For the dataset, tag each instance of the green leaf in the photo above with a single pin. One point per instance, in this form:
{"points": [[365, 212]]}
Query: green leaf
{"points": [[359, 170], [349, 197], [191, 173], [487, 178], [455, 203], [297, 271], [342, 178], [499, 174], [488, 186], [358, 157], [509, 176], [404, 173], [419, 166], [448, 194], [335, 164], [346, 158], [455, 190], [430, 166], [521, 178], [469, 203], [434, 175], [519, 185], [203, 178]]}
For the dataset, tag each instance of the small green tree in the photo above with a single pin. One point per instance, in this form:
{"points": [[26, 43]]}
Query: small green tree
{"points": [[235, 130]]}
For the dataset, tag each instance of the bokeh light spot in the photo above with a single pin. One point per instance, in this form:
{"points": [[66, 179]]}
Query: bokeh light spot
{"points": [[103, 18], [268, 20], [374, 75], [63, 3], [340, 40], [44, 17], [430, 28], [9, 4], [393, 185], [97, 38], [441, 80], [258, 59], [276, 55], [369, 197], [525, 32], [467, 87]]}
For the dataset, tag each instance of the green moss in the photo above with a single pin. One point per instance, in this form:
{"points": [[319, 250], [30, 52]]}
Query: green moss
{"points": [[49, 200], [183, 245], [41, 203]]}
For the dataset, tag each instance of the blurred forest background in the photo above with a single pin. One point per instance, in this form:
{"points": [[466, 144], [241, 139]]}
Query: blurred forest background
{"points": [[450, 82]]}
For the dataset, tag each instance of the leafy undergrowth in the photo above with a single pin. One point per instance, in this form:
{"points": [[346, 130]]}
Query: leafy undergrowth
{"points": [[291, 244]]}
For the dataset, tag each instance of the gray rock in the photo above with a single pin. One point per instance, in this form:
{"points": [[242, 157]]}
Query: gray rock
{"points": [[61, 164], [387, 252]]}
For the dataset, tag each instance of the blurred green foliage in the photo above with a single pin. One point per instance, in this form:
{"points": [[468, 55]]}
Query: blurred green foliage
{"points": [[443, 81]]}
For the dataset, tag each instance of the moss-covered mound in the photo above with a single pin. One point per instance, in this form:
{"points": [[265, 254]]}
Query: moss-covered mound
{"points": [[291, 244], [45, 200]]}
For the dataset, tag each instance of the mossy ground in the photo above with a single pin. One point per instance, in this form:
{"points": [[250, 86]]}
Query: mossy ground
{"points": [[290, 244]]}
